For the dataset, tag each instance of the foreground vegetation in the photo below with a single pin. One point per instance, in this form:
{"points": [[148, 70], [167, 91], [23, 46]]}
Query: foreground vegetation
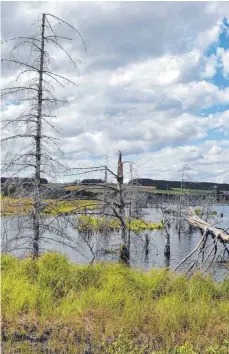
{"points": [[53, 306]]}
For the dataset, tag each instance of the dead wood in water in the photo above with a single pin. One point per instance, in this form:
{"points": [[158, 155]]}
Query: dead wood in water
{"points": [[216, 232]]}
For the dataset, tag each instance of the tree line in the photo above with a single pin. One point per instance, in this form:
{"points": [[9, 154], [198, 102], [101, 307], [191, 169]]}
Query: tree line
{"points": [[168, 185]]}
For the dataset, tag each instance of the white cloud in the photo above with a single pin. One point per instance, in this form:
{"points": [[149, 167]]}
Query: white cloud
{"points": [[215, 150], [220, 121], [209, 36], [225, 61], [141, 86], [211, 65]]}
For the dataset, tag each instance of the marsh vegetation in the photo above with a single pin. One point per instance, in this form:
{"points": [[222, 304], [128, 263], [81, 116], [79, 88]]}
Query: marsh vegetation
{"points": [[52, 305]]}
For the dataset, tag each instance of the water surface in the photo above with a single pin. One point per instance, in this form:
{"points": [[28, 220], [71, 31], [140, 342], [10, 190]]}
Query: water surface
{"points": [[59, 234]]}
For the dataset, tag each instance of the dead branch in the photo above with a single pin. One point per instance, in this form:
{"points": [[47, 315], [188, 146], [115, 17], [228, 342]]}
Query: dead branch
{"points": [[218, 233]]}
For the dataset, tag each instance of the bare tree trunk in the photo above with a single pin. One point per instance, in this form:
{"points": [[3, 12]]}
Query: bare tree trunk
{"points": [[130, 210], [167, 244], [179, 224], [37, 200], [31, 124], [124, 246], [146, 245], [105, 190], [167, 235], [124, 251], [122, 209]]}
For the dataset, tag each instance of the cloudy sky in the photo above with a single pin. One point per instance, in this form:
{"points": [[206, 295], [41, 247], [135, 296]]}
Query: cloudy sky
{"points": [[153, 83]]}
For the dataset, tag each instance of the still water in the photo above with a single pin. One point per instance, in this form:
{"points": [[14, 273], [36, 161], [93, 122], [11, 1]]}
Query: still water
{"points": [[59, 235]]}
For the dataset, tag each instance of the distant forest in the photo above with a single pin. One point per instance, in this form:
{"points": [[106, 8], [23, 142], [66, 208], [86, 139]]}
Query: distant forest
{"points": [[168, 185], [22, 180], [147, 182]]}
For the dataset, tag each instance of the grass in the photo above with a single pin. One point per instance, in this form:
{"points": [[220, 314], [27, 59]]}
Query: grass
{"points": [[198, 212], [53, 306], [152, 189], [100, 224], [22, 206], [176, 191], [72, 188], [179, 191], [186, 190]]}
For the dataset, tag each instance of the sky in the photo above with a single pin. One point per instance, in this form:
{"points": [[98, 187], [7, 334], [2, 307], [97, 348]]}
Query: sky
{"points": [[153, 83]]}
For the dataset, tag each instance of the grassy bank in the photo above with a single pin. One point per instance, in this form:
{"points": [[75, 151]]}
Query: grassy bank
{"points": [[23, 206], [178, 191], [150, 189], [107, 308], [15, 206]]}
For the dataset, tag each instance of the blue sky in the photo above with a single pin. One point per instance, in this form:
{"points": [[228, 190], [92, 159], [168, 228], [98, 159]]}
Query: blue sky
{"points": [[219, 79], [154, 83]]}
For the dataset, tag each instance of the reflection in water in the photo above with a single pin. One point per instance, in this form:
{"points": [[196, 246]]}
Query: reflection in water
{"points": [[146, 246], [167, 261], [147, 249]]}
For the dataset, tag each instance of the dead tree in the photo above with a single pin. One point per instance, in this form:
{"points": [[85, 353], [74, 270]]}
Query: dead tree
{"points": [[114, 201], [130, 207], [124, 255], [216, 233], [33, 130], [117, 206], [207, 230], [167, 237]]}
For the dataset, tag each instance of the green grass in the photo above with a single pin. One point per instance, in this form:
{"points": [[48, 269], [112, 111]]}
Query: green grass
{"points": [[100, 224], [23, 206], [213, 212], [109, 308], [184, 191], [198, 212], [152, 189]]}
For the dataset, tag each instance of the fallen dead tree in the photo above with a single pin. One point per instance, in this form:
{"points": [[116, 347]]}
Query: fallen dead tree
{"points": [[217, 235]]}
